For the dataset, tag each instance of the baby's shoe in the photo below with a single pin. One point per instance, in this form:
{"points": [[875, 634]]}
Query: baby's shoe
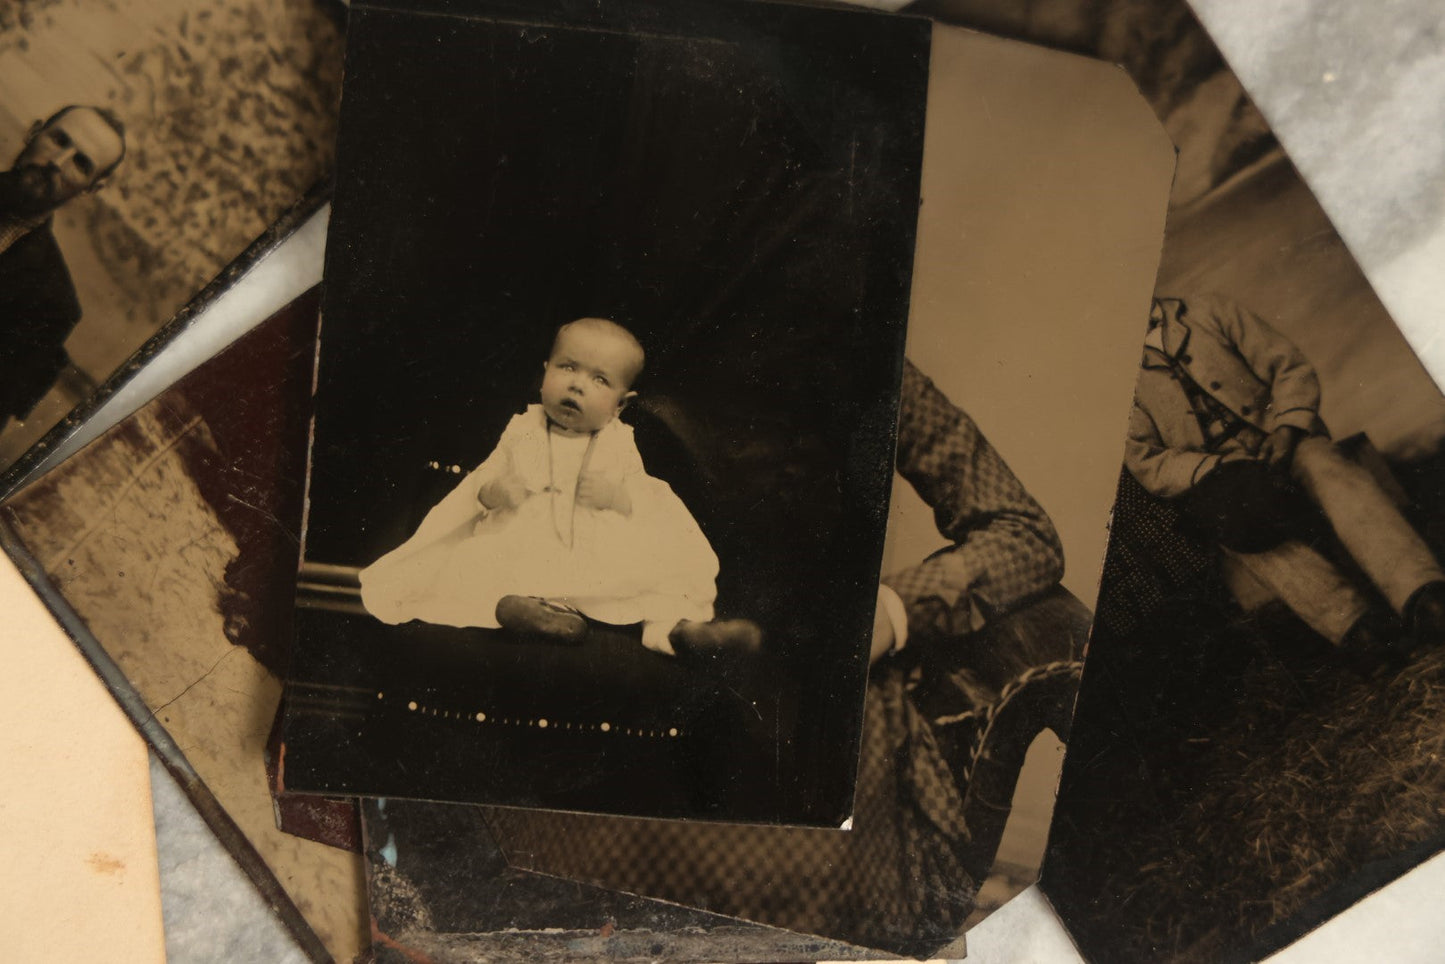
{"points": [[534, 616], [720, 637]]}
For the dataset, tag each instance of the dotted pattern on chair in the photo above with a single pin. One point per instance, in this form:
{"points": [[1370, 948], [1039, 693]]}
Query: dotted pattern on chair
{"points": [[558, 722]]}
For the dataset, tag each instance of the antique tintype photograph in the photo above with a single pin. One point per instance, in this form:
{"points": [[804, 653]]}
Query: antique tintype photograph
{"points": [[606, 401], [1258, 732], [145, 148], [996, 534]]}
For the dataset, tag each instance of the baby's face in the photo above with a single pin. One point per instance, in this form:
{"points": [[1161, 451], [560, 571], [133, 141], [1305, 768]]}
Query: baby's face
{"points": [[587, 379]]}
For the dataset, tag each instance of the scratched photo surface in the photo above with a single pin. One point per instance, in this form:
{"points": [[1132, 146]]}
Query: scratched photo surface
{"points": [[172, 540], [195, 127], [736, 186]]}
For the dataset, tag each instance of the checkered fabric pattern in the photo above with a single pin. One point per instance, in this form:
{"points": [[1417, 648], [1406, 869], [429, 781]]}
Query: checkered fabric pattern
{"points": [[1005, 548], [1149, 561], [895, 882]]}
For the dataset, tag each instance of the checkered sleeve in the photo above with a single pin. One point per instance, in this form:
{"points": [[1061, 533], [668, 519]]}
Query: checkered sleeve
{"points": [[1005, 549]]}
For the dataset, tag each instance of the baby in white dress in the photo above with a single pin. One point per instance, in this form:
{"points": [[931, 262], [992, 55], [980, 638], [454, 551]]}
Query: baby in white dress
{"points": [[563, 522]]}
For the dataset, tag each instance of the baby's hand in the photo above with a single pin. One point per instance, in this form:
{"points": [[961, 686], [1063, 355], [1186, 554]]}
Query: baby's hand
{"points": [[507, 492], [596, 491]]}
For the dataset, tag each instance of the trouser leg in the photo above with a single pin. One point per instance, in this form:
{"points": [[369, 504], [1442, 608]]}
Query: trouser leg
{"points": [[1366, 522], [1306, 582]]}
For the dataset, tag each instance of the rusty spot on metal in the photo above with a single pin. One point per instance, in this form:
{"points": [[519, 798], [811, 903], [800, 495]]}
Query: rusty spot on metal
{"points": [[380, 938]]}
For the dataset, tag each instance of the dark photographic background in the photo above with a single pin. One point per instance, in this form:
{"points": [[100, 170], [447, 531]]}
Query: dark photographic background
{"points": [[734, 184]]}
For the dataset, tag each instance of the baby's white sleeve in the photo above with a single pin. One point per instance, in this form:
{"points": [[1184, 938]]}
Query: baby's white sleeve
{"points": [[500, 461]]}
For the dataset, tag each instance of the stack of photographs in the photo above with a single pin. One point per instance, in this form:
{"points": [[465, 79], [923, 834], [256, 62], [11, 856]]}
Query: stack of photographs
{"points": [[515, 594]]}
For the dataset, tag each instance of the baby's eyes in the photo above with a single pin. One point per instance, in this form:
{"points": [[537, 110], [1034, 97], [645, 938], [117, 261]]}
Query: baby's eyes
{"points": [[572, 367]]}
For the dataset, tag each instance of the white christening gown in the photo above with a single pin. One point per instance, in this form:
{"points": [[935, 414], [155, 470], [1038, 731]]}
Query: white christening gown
{"points": [[654, 565]]}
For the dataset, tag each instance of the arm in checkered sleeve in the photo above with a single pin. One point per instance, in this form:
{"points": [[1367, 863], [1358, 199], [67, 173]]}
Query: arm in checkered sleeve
{"points": [[1005, 549]]}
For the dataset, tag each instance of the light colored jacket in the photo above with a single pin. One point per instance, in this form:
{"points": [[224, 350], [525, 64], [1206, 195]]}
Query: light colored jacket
{"points": [[1240, 361]]}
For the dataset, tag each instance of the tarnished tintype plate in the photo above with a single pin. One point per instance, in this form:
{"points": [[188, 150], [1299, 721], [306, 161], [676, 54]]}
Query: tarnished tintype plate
{"points": [[155, 152], [1259, 729], [736, 186]]}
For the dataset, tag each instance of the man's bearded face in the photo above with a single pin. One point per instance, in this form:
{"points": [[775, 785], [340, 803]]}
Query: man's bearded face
{"points": [[61, 160]]}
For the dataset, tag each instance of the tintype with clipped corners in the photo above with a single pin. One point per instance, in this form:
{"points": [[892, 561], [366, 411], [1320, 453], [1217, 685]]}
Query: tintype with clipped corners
{"points": [[1257, 738], [607, 392]]}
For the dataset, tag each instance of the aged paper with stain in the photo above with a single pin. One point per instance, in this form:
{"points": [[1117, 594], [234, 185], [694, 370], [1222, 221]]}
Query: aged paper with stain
{"points": [[81, 882]]}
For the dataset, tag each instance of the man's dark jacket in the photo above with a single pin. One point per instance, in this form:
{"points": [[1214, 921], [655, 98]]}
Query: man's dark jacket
{"points": [[38, 309]]}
